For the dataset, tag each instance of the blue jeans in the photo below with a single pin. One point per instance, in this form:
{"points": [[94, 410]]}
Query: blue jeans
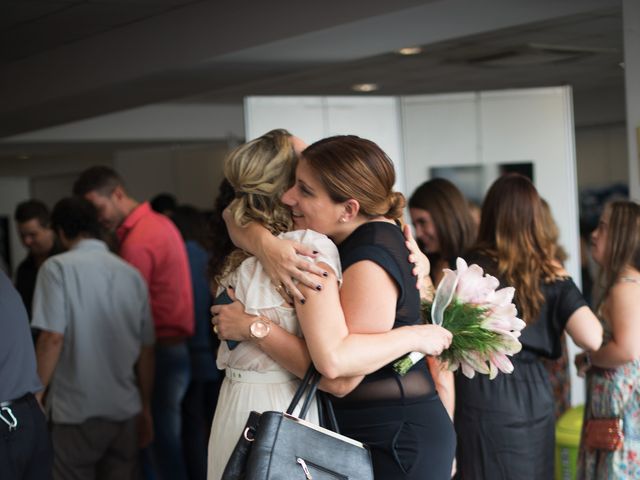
{"points": [[172, 378]]}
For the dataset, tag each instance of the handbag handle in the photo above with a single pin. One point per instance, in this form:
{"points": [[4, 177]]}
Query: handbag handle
{"points": [[304, 384], [309, 384], [325, 412]]}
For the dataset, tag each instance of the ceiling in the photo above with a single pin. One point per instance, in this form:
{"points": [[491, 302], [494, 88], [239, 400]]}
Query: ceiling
{"points": [[65, 60]]}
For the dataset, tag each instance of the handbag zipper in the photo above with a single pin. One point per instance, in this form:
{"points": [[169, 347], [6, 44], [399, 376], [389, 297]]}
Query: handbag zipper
{"points": [[307, 473]]}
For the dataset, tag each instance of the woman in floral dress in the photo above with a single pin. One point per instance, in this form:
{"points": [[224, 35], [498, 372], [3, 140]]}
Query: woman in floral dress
{"points": [[614, 370]]}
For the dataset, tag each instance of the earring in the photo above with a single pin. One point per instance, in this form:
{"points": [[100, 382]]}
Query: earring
{"points": [[342, 220]]}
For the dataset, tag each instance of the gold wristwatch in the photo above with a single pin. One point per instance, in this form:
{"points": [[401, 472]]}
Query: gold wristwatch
{"points": [[260, 328]]}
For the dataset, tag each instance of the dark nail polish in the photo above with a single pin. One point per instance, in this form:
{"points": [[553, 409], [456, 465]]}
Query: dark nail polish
{"points": [[315, 252], [325, 274], [318, 287], [303, 301], [231, 287]]}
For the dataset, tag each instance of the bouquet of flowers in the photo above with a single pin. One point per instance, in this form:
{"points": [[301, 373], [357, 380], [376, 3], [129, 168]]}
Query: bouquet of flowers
{"points": [[482, 320]]}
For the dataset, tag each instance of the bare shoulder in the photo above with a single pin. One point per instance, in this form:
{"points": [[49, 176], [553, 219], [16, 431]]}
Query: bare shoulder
{"points": [[623, 292]]}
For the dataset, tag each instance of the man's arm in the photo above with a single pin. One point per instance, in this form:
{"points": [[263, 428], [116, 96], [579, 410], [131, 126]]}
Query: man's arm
{"points": [[145, 370], [48, 350]]}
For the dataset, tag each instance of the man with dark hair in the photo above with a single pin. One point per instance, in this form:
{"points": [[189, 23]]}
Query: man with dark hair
{"points": [[150, 242], [164, 203], [94, 352], [32, 219]]}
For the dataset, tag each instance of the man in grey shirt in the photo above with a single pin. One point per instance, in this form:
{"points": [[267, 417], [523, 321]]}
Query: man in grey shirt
{"points": [[25, 447], [95, 352]]}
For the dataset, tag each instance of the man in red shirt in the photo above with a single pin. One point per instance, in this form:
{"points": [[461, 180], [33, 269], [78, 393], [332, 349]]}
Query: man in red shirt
{"points": [[151, 243]]}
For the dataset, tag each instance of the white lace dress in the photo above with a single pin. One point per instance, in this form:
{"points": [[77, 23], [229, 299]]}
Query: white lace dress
{"points": [[253, 381]]}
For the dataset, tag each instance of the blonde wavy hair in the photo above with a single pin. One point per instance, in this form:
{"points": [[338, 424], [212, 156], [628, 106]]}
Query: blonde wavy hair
{"points": [[260, 171]]}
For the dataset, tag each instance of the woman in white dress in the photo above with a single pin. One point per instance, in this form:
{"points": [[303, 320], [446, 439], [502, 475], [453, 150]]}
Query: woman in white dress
{"points": [[260, 172]]}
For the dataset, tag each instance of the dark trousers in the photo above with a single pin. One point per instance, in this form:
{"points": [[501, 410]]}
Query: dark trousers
{"points": [[95, 449], [25, 453]]}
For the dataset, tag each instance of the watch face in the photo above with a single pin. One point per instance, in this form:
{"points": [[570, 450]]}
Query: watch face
{"points": [[260, 329]]}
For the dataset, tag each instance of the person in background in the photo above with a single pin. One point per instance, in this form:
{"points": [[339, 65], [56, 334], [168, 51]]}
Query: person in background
{"points": [[445, 230], [151, 243], [95, 351], [25, 445], [506, 426], [33, 222], [164, 203], [613, 372], [200, 401], [444, 226], [558, 369]]}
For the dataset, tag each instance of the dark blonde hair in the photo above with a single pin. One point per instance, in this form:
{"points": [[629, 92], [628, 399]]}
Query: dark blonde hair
{"points": [[623, 241], [352, 167], [450, 213], [512, 232], [259, 171]]}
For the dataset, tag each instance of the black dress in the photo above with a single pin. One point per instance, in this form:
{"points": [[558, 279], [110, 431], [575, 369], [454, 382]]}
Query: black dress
{"points": [[505, 426], [400, 418]]}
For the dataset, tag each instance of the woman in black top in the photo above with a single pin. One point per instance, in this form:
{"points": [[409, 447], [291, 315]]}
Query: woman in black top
{"points": [[505, 426], [344, 189], [401, 418]]}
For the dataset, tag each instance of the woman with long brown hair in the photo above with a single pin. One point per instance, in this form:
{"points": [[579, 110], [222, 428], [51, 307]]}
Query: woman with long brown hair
{"points": [[505, 426], [614, 370], [444, 226], [445, 230]]}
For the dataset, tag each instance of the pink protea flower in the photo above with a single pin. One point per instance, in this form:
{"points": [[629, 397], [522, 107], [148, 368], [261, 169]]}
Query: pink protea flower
{"points": [[485, 324], [473, 286]]}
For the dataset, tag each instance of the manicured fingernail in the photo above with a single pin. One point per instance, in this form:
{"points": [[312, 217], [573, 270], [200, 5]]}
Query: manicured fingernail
{"points": [[291, 304], [303, 301], [318, 287], [315, 252], [325, 274], [231, 287]]}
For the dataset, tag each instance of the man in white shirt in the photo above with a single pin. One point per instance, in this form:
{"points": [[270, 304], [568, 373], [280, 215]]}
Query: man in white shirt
{"points": [[95, 352]]}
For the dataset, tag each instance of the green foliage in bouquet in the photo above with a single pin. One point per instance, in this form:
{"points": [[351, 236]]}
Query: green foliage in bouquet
{"points": [[462, 320]]}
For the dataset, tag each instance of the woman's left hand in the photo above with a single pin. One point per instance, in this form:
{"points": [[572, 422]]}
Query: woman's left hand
{"points": [[421, 265], [230, 321]]}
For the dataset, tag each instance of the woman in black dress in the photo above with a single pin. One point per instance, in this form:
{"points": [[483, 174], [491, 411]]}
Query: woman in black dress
{"points": [[344, 189], [505, 426]]}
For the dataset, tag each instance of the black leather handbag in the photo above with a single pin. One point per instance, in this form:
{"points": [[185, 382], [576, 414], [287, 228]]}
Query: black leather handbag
{"points": [[279, 446]]}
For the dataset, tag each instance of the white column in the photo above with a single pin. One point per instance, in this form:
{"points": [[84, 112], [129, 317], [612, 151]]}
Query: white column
{"points": [[631, 29]]}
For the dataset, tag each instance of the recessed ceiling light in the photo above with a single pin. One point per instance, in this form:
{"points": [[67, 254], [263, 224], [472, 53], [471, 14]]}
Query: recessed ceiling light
{"points": [[410, 51], [365, 87]]}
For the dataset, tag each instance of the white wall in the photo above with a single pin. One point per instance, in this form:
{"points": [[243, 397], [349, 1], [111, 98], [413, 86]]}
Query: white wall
{"points": [[313, 118], [191, 173], [631, 27]]}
